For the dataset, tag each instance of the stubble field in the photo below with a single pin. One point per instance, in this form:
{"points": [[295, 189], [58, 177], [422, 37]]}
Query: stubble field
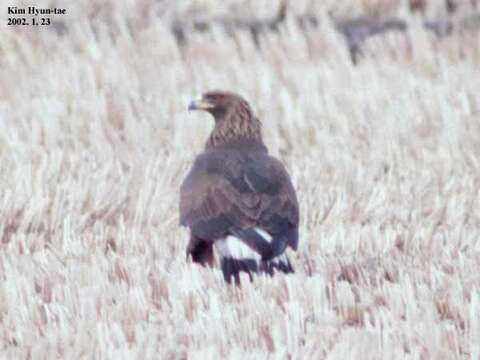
{"points": [[95, 140]]}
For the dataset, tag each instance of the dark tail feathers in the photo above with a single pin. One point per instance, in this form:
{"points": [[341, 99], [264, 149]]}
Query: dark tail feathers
{"points": [[232, 268]]}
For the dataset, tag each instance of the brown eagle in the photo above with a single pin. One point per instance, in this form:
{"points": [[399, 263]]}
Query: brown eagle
{"points": [[236, 196]]}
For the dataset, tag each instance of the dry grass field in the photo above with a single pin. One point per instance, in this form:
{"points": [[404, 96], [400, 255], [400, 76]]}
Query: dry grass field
{"points": [[95, 139]]}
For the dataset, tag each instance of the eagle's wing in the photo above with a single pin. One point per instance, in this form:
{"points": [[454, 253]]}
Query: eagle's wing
{"points": [[229, 192]]}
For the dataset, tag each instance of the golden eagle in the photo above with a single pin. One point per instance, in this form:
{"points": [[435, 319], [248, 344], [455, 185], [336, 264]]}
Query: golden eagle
{"points": [[237, 198]]}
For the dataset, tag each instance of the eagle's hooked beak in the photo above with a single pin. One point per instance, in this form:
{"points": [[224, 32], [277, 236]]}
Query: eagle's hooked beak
{"points": [[200, 104]]}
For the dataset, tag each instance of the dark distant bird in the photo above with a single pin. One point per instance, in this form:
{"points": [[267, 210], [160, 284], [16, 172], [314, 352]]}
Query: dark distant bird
{"points": [[255, 26], [237, 198], [451, 6], [417, 6], [357, 30]]}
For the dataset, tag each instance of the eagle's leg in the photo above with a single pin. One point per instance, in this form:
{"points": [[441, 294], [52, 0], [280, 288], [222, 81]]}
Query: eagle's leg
{"points": [[201, 251]]}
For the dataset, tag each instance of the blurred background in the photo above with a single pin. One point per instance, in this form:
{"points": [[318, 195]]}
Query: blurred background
{"points": [[373, 106]]}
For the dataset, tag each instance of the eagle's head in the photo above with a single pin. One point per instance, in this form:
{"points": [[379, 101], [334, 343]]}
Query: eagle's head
{"points": [[234, 118], [218, 103]]}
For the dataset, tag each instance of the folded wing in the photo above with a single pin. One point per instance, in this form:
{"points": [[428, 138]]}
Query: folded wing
{"points": [[233, 193]]}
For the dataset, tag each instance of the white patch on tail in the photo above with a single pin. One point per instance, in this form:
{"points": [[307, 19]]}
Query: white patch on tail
{"points": [[232, 247], [263, 234]]}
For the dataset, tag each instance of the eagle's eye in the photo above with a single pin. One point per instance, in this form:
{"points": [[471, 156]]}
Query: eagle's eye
{"points": [[217, 100], [214, 97]]}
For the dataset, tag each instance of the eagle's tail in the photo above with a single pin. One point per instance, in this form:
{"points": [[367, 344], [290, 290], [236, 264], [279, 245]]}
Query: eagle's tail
{"points": [[237, 257], [279, 263]]}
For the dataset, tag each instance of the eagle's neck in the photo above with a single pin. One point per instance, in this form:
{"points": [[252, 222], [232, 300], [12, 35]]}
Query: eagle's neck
{"points": [[236, 126]]}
